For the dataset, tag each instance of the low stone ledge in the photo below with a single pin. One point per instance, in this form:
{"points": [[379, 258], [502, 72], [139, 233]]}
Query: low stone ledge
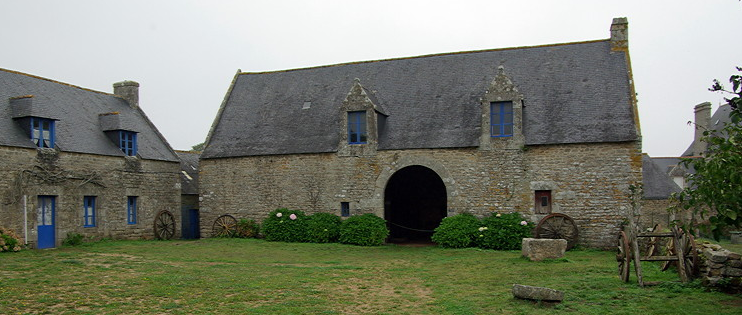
{"points": [[537, 293], [537, 249]]}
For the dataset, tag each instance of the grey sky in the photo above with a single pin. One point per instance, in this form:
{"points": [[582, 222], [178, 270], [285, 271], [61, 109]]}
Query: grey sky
{"points": [[185, 53]]}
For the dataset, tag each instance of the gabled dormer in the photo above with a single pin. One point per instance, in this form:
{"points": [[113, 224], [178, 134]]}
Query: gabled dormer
{"points": [[121, 130], [362, 117], [36, 120], [502, 115]]}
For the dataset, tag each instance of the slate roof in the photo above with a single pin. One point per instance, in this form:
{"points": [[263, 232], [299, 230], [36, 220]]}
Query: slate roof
{"points": [[77, 112], [188, 172], [657, 184], [718, 120], [573, 93]]}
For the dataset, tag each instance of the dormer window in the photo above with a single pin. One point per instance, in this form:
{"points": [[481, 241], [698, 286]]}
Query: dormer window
{"points": [[357, 127], [42, 132], [128, 142], [501, 119]]}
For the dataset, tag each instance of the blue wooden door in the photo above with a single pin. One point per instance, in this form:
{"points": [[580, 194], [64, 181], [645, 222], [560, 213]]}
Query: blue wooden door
{"points": [[45, 218], [193, 218]]}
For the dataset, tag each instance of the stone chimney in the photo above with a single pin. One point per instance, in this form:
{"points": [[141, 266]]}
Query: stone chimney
{"points": [[620, 34], [128, 90], [702, 123]]}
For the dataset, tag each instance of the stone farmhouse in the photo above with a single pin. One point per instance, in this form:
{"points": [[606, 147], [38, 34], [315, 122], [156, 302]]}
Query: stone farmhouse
{"points": [[74, 160], [537, 130]]}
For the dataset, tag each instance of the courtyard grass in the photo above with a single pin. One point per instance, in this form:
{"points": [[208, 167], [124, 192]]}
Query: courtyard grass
{"points": [[248, 276]]}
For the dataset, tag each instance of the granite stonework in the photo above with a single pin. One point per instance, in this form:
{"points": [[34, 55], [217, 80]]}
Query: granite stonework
{"points": [[537, 249], [720, 268], [29, 173], [589, 182]]}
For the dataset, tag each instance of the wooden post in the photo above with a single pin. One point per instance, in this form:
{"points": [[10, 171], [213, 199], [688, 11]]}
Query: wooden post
{"points": [[679, 252], [635, 249]]}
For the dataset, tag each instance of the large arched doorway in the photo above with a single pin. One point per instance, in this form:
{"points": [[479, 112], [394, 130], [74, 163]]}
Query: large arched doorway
{"points": [[414, 204]]}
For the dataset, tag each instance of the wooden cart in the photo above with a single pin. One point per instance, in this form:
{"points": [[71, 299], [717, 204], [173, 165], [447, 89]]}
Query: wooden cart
{"points": [[680, 251]]}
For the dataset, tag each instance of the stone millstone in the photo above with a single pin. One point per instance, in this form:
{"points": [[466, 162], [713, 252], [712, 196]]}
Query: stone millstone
{"points": [[537, 293]]}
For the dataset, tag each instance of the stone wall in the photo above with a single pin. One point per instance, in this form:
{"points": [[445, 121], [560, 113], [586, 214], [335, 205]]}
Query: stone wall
{"points": [[720, 268], [654, 211], [589, 182], [72, 176]]}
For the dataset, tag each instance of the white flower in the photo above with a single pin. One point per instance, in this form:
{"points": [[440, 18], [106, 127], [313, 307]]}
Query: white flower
{"points": [[279, 214], [523, 223], [497, 215], [482, 228], [292, 217]]}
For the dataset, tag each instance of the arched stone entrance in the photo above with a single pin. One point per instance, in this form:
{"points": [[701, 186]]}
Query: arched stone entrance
{"points": [[414, 204]]}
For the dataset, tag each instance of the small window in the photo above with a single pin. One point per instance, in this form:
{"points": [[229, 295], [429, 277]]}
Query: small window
{"points": [[131, 210], [88, 211], [42, 132], [543, 202], [128, 142], [344, 209], [357, 127], [501, 119]]}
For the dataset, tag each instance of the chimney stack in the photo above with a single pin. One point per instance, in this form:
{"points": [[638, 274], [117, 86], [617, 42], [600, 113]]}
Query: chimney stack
{"points": [[128, 90], [702, 123], [620, 34]]}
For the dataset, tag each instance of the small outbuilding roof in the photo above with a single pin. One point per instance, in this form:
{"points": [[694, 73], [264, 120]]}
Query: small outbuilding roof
{"points": [[656, 181]]}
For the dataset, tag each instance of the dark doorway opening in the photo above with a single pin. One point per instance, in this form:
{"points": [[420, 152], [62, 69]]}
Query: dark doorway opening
{"points": [[414, 204]]}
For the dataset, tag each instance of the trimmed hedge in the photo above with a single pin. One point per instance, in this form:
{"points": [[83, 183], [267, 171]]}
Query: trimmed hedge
{"points": [[503, 231], [457, 231], [364, 230], [323, 228], [285, 225]]}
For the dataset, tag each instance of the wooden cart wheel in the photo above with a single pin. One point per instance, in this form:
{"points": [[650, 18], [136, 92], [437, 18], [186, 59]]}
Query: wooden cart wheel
{"points": [[623, 257], [653, 240], [690, 254], [224, 226], [556, 226], [164, 225], [669, 251]]}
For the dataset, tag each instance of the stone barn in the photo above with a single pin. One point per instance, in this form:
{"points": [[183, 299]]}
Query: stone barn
{"points": [[74, 160], [537, 130]]}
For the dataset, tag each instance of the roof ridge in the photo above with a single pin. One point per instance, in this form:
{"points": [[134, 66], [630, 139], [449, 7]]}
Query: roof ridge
{"points": [[55, 81], [427, 56]]}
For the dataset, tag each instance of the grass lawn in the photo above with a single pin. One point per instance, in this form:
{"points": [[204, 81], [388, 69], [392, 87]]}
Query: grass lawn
{"points": [[248, 276]]}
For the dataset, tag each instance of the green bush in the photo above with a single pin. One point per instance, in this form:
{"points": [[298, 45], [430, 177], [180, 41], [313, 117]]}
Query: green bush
{"points": [[73, 239], [323, 228], [285, 225], [503, 231], [247, 229], [364, 230], [457, 231], [9, 241]]}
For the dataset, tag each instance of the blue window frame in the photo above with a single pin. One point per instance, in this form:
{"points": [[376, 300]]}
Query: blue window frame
{"points": [[88, 211], [357, 127], [344, 209], [128, 142], [42, 132], [501, 119], [131, 210]]}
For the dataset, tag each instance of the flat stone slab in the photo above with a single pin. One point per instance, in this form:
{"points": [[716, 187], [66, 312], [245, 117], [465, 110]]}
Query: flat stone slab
{"points": [[528, 292], [537, 249]]}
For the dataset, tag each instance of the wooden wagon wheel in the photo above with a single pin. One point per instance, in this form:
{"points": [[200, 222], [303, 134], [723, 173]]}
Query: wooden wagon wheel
{"points": [[653, 240], [225, 225], [690, 256], [623, 257], [556, 226], [164, 225], [669, 251]]}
